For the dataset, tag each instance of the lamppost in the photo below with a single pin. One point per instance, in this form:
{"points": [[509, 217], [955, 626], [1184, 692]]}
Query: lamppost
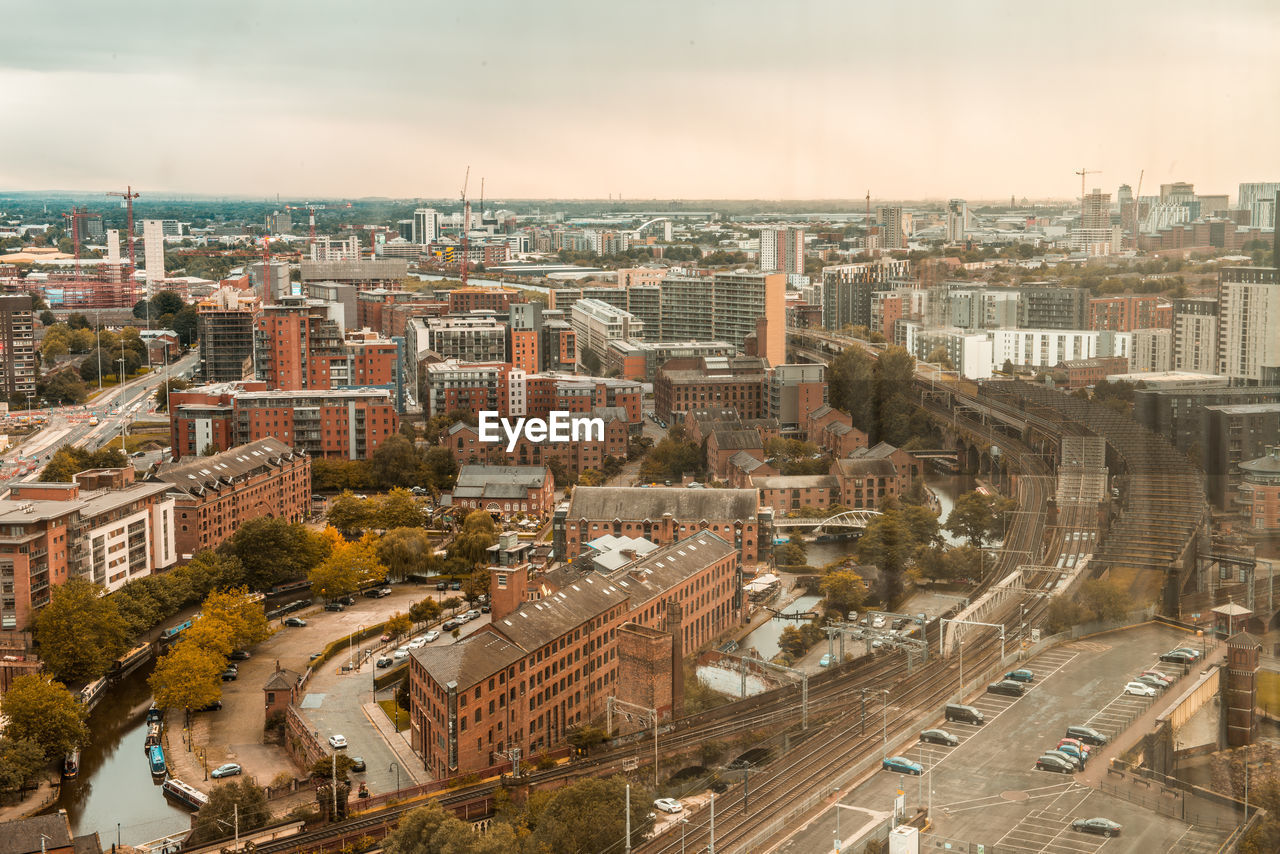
{"points": [[884, 725], [960, 645], [396, 768], [351, 644]]}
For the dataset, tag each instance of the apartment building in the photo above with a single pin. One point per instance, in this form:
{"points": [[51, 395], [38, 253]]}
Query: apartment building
{"points": [[1195, 335], [1260, 491], [1177, 413], [1044, 348], [1125, 313], [17, 347], [298, 345], [560, 644], [640, 360], [1234, 434], [662, 515], [505, 489], [847, 289], [1152, 350], [726, 306], [711, 382], [1249, 325], [467, 300], [793, 392], [335, 424], [597, 323], [782, 250], [463, 442], [1048, 306], [103, 527], [215, 495]]}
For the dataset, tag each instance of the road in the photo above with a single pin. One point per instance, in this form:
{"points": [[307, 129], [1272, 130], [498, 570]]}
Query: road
{"points": [[115, 408]]}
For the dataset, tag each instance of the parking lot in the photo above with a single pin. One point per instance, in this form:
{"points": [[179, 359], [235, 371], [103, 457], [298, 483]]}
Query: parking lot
{"points": [[987, 790]]}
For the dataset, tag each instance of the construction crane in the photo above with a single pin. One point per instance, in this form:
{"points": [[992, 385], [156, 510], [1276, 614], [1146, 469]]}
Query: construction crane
{"points": [[311, 219], [76, 215], [466, 225], [127, 201], [1082, 173]]}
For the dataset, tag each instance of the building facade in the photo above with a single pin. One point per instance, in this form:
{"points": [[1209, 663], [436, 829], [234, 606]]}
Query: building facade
{"points": [[1249, 325], [505, 489], [707, 383], [17, 346]]}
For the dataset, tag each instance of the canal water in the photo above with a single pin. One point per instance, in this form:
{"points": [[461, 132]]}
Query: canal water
{"points": [[114, 787]]}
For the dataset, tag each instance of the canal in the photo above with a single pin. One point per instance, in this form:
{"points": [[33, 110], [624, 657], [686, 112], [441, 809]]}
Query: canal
{"points": [[114, 793]]}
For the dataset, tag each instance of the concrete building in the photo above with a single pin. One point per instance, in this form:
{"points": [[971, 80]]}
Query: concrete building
{"points": [[505, 489], [1176, 412], [1152, 350], [153, 251], [1195, 335], [663, 515], [1249, 325], [1125, 313], [1047, 306], [1234, 434], [892, 235], [726, 306], [17, 347], [1259, 199], [225, 326], [598, 323], [271, 281], [561, 643], [335, 424], [1044, 348], [793, 392], [957, 220], [426, 226], [847, 289], [737, 383], [380, 272], [213, 496], [103, 527], [970, 353], [640, 360], [782, 249], [1260, 491]]}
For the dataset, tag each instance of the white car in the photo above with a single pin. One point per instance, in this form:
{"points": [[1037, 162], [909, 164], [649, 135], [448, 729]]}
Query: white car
{"points": [[670, 805], [401, 653], [878, 622], [417, 643], [337, 742], [1138, 689], [431, 636]]}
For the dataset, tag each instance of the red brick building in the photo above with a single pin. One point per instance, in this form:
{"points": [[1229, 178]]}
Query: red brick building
{"points": [[722, 445], [505, 489], [1081, 373], [1125, 313], [833, 430], [789, 493], [464, 444], [711, 382], [214, 495], [464, 300], [336, 424], [558, 646], [1260, 492]]}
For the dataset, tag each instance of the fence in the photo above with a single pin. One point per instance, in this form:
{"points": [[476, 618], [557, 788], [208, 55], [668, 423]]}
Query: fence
{"points": [[1172, 797], [302, 743]]}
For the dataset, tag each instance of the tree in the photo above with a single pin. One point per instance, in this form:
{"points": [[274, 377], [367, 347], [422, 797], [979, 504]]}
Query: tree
{"points": [[673, 458], [348, 567], [478, 533], [240, 802], [162, 391], [69, 460], [792, 642], [940, 357], [185, 323], [424, 611], [45, 713], [273, 550], [416, 830], [844, 590], [588, 816], [1105, 599], [64, 387], [243, 618], [407, 551], [349, 514], [47, 318], [21, 762], [793, 553], [399, 625], [887, 542], [1064, 613], [187, 677], [396, 463], [398, 509], [972, 517], [80, 632]]}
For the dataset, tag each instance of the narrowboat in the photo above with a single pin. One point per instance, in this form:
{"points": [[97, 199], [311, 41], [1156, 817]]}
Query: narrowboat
{"points": [[189, 796], [71, 765], [155, 756]]}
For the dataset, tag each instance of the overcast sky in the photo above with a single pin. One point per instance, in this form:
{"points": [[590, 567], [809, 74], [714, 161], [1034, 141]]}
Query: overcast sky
{"points": [[653, 99]]}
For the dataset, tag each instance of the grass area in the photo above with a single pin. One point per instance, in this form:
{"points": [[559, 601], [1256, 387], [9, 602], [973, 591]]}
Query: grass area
{"points": [[395, 714], [142, 439], [1269, 691]]}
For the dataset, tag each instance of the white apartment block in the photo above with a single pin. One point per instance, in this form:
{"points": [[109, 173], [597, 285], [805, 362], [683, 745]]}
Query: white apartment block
{"points": [[325, 248], [1152, 350], [596, 323], [970, 353], [426, 226], [1045, 348], [153, 249], [1249, 325], [1195, 343]]}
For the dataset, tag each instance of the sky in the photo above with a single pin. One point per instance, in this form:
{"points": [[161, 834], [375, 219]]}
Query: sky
{"points": [[697, 99]]}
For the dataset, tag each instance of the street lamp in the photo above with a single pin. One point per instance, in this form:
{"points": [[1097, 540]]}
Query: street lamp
{"points": [[351, 642], [884, 725], [960, 645]]}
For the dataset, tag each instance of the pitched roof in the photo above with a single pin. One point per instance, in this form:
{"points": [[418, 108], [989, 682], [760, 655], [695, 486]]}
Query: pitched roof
{"points": [[797, 481], [638, 503], [851, 467], [741, 439], [745, 461], [282, 680], [878, 451], [535, 624], [198, 474], [23, 835], [480, 481], [470, 660]]}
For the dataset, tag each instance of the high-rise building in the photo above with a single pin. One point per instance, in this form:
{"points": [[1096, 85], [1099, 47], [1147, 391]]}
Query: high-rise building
{"points": [[270, 281], [1152, 350], [1260, 200], [17, 347], [957, 220], [225, 326], [892, 233], [1248, 324], [426, 226], [298, 345], [726, 306], [280, 222], [1047, 306], [782, 249], [597, 323], [153, 247], [1178, 193], [1125, 313], [1195, 335], [846, 290]]}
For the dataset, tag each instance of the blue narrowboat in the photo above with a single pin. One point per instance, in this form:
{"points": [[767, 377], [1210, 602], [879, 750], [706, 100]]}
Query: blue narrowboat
{"points": [[155, 756]]}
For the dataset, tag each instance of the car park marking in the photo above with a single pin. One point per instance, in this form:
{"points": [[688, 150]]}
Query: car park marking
{"points": [[1048, 830], [995, 800], [1113, 718]]}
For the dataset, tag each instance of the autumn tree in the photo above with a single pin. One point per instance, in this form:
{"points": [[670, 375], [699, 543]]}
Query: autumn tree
{"points": [[45, 713], [244, 620], [349, 514], [188, 677], [589, 816], [1105, 599], [80, 632], [162, 392], [479, 531], [399, 625], [69, 460], [22, 762], [407, 551], [843, 590], [398, 509], [239, 803], [348, 567], [273, 550]]}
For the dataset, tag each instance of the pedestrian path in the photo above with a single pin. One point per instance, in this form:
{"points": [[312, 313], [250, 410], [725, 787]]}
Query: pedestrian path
{"points": [[410, 766]]}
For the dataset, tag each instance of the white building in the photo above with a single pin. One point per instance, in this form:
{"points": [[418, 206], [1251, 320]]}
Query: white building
{"points": [[153, 248], [596, 323], [1260, 200], [1044, 348], [1152, 350], [325, 248], [970, 353], [957, 220], [1249, 325], [426, 226]]}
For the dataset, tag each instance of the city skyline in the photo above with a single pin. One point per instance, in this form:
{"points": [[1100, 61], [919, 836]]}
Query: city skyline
{"points": [[586, 102]]}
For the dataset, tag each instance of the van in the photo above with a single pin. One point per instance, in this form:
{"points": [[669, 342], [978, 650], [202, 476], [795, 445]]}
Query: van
{"points": [[966, 714], [1088, 735]]}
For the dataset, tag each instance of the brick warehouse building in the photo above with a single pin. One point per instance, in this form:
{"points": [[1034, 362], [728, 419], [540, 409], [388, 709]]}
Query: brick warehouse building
{"points": [[551, 657], [662, 515], [465, 446], [215, 495]]}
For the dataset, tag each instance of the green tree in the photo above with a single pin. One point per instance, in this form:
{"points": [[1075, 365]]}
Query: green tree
{"points": [[940, 357], [588, 816], [844, 590], [416, 830], [396, 463], [162, 391], [187, 677], [79, 632], [478, 533], [794, 553], [887, 542], [399, 625], [64, 387], [424, 611], [239, 801], [1064, 613], [45, 713], [407, 551], [1106, 599], [972, 517], [792, 642], [399, 509], [673, 458], [273, 550], [69, 460], [349, 514], [22, 761]]}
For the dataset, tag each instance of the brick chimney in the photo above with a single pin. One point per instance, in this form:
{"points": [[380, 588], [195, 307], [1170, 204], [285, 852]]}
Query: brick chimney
{"points": [[508, 589]]}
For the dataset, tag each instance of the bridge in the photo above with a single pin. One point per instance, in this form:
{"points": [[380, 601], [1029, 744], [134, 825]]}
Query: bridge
{"points": [[841, 522]]}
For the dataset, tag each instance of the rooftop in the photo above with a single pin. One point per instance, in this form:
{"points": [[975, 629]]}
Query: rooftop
{"points": [[653, 503], [470, 660], [200, 473]]}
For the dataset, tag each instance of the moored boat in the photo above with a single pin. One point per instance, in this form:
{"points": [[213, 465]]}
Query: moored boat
{"points": [[187, 795], [155, 757], [71, 765]]}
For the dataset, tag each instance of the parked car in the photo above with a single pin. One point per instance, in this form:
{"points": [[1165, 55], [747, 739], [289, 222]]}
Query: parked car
{"points": [[357, 764], [878, 621], [1104, 826], [230, 675], [1077, 743], [669, 805], [1139, 689], [1179, 656], [1191, 651], [451, 624], [1007, 687], [385, 661], [825, 661], [473, 614], [417, 643], [455, 585], [239, 655], [939, 736], [295, 622], [902, 765], [401, 653], [228, 770], [372, 593], [337, 742], [484, 609], [1020, 675], [1088, 735], [215, 706], [1081, 756], [346, 600], [334, 606], [1165, 677], [442, 585], [1054, 763], [1146, 679], [431, 636], [1075, 761]]}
